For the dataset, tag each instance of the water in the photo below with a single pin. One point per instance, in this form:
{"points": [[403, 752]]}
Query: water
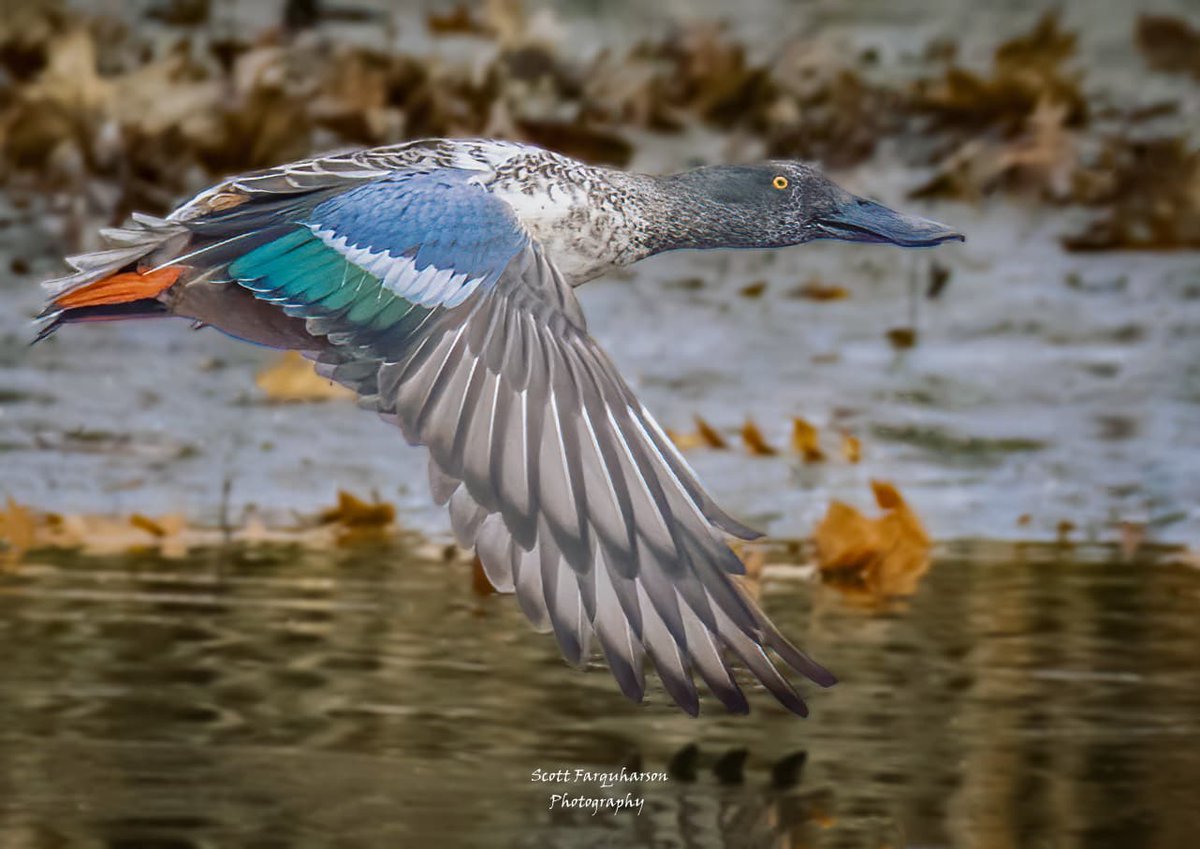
{"points": [[276, 697]]}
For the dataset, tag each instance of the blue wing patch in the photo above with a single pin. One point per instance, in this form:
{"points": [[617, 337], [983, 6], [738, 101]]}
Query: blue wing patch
{"points": [[430, 237], [370, 263]]}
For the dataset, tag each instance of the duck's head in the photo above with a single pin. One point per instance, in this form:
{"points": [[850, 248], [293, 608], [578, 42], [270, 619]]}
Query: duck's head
{"points": [[776, 204]]}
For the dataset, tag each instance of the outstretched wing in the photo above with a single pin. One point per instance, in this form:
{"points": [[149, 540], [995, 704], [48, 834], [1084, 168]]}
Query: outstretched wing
{"points": [[453, 324]]}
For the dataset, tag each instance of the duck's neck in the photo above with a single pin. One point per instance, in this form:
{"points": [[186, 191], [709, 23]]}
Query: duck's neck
{"points": [[670, 213]]}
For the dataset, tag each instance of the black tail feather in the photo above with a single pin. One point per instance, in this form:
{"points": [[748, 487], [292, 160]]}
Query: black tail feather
{"points": [[145, 308]]}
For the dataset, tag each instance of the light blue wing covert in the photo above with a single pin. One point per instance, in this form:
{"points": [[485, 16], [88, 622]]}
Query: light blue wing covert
{"points": [[370, 263]]}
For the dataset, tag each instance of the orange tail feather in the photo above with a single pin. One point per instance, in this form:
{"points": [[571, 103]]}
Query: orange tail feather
{"points": [[121, 288]]}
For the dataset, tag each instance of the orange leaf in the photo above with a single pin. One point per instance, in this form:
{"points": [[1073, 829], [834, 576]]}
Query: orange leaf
{"points": [[851, 448], [805, 441], [291, 378], [353, 512], [754, 441], [708, 434], [873, 558], [815, 290]]}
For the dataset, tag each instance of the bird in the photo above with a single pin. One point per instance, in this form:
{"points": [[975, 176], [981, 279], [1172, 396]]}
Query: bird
{"points": [[436, 278]]}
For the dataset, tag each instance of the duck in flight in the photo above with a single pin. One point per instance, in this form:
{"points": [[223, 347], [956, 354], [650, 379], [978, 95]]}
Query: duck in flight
{"points": [[436, 279]]}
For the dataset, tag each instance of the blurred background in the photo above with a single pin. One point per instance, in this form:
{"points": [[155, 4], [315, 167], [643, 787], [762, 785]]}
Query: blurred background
{"points": [[229, 611]]}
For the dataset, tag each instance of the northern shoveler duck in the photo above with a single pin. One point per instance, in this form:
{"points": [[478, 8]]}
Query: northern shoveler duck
{"points": [[436, 279]]}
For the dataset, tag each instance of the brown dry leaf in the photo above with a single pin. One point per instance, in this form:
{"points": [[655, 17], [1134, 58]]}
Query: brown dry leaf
{"points": [[353, 512], [753, 290], [1169, 44], [18, 530], [753, 439], [481, 585], [709, 434], [806, 441], [1041, 160], [821, 107], [902, 338], [456, 21], [851, 448], [706, 436], [1151, 191], [684, 441], [354, 100], [754, 558], [873, 559], [291, 379], [815, 290], [1027, 70]]}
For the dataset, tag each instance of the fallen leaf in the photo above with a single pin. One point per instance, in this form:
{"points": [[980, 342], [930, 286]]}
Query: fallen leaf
{"points": [[902, 338], [291, 379], [753, 290], [815, 290], [1026, 70], [754, 558], [806, 441], [1169, 44], [851, 448], [939, 279], [753, 439], [18, 530], [705, 436], [873, 559], [481, 585], [709, 435], [456, 21], [684, 441], [1150, 194], [353, 512]]}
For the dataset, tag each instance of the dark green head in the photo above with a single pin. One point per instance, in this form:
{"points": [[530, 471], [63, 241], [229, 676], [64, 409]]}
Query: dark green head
{"points": [[777, 204]]}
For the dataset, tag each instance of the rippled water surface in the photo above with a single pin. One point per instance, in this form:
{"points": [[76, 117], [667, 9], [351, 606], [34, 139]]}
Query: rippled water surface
{"points": [[280, 698]]}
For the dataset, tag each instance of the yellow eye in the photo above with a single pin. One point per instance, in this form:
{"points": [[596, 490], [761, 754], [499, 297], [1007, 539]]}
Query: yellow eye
{"points": [[780, 182]]}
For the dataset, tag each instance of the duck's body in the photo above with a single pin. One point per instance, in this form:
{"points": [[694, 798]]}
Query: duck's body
{"points": [[435, 279]]}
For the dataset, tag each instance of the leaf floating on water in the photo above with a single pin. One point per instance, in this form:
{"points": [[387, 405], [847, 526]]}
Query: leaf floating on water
{"points": [[158, 528], [706, 436], [806, 441], [939, 279], [18, 531], [754, 441], [481, 585], [291, 379], [709, 435], [684, 441], [902, 338], [353, 512], [873, 559], [851, 448], [815, 290]]}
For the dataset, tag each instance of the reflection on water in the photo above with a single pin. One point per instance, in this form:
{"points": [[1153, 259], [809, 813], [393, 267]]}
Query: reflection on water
{"points": [[284, 698]]}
